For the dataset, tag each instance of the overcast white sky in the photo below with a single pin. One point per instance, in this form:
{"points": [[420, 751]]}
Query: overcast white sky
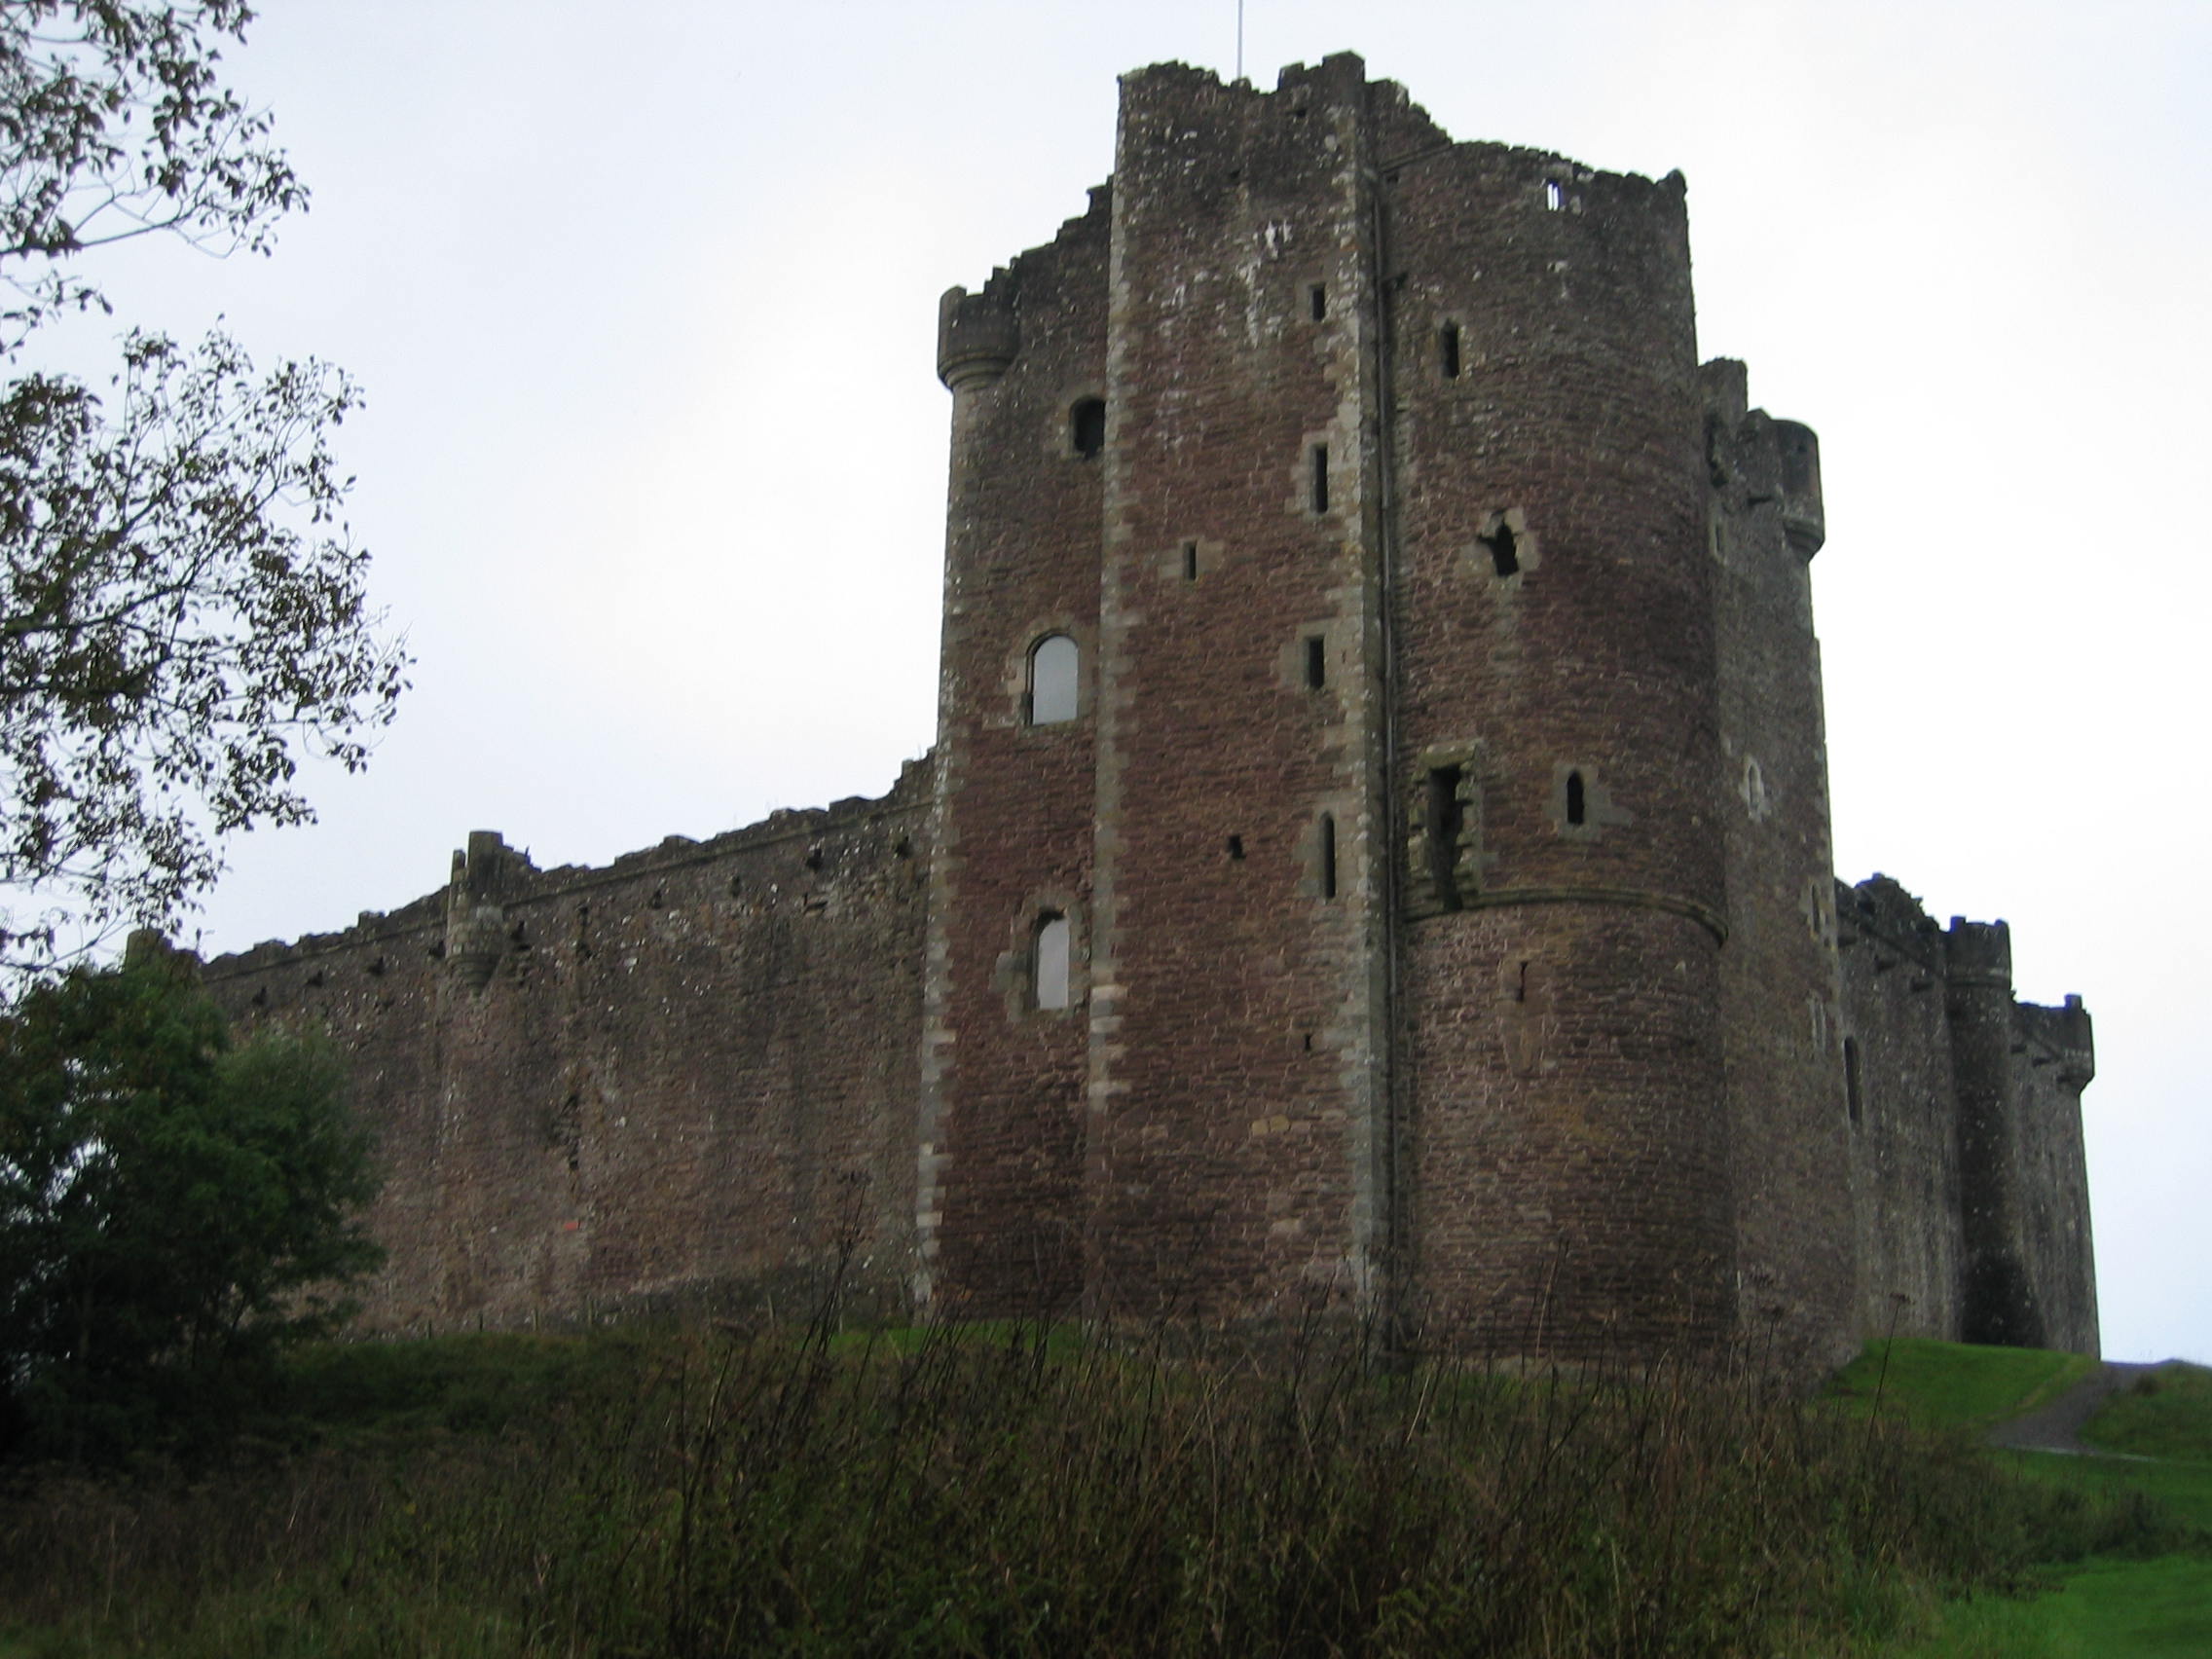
{"points": [[644, 297]]}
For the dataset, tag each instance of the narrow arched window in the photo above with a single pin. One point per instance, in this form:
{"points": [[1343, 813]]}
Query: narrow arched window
{"points": [[1053, 664], [1327, 851], [1048, 960], [1574, 802], [1087, 426]]}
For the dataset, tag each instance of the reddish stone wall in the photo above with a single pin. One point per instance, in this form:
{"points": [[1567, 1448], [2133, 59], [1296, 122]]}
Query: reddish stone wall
{"points": [[1561, 960], [1001, 1125], [1439, 827], [690, 1074], [1232, 1101]]}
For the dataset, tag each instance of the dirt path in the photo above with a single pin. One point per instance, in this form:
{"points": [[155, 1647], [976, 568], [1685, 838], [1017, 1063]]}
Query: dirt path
{"points": [[2057, 1427]]}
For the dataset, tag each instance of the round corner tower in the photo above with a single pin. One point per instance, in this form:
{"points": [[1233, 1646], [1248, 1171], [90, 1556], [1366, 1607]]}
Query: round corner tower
{"points": [[1562, 907], [1334, 882]]}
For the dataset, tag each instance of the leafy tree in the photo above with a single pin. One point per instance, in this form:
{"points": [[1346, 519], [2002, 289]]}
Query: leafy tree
{"points": [[182, 615], [173, 1208]]}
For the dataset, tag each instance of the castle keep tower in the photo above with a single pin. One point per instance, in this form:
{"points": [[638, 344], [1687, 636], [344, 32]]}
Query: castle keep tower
{"points": [[1333, 887], [1375, 855]]}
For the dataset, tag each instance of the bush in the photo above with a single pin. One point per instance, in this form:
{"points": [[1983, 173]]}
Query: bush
{"points": [[174, 1209]]}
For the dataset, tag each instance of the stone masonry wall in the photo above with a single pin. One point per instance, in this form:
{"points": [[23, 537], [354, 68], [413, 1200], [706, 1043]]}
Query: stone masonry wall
{"points": [[1000, 1145], [1780, 985], [689, 1075], [1376, 854], [1968, 1185], [1903, 1108], [1554, 751]]}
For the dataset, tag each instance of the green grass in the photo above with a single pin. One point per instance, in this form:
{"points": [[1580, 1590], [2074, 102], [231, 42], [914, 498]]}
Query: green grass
{"points": [[2147, 1597], [1951, 1385], [2120, 1609], [2166, 1413]]}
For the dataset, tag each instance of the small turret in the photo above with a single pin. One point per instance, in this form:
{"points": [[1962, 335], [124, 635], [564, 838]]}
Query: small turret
{"points": [[476, 922], [977, 335], [1803, 518]]}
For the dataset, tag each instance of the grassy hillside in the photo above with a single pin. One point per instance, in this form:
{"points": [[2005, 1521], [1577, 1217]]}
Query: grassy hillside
{"points": [[2147, 1597], [1010, 1492]]}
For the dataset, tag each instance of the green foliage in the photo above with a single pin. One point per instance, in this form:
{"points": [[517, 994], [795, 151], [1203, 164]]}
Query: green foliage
{"points": [[180, 612], [1018, 1492], [173, 1208]]}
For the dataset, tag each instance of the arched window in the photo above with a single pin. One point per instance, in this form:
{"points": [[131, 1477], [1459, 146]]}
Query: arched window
{"points": [[1048, 960], [1053, 663], [1325, 846], [1576, 807], [1087, 426]]}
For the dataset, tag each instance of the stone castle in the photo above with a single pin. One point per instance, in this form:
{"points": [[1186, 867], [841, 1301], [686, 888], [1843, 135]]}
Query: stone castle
{"points": [[1376, 853]]}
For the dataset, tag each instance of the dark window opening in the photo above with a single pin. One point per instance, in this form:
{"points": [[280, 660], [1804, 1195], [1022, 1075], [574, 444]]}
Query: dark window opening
{"points": [[1309, 1036], [1087, 426], [1447, 819], [1328, 850], [1320, 478], [1190, 561], [1048, 960], [1504, 548], [1053, 663], [1552, 195], [1448, 342], [1318, 297], [1851, 1077], [1236, 846], [1521, 985], [1574, 801], [1316, 663]]}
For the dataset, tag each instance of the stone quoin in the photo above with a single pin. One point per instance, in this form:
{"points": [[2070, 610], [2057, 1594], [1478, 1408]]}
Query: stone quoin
{"points": [[1376, 853]]}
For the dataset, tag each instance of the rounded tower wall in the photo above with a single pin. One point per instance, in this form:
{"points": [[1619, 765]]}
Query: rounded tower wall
{"points": [[1556, 753]]}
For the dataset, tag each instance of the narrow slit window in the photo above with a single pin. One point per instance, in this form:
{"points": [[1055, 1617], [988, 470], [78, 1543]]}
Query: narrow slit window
{"points": [[1048, 960], [1053, 664], [1448, 350], [1851, 1083], [1552, 195], [1236, 847], [1327, 854], [1575, 806], [1504, 548], [1318, 297], [1320, 478], [1316, 662], [1087, 426], [1190, 561], [1446, 820]]}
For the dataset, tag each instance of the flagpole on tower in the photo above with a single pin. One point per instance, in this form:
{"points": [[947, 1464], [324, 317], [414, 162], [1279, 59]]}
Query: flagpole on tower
{"points": [[1240, 39]]}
